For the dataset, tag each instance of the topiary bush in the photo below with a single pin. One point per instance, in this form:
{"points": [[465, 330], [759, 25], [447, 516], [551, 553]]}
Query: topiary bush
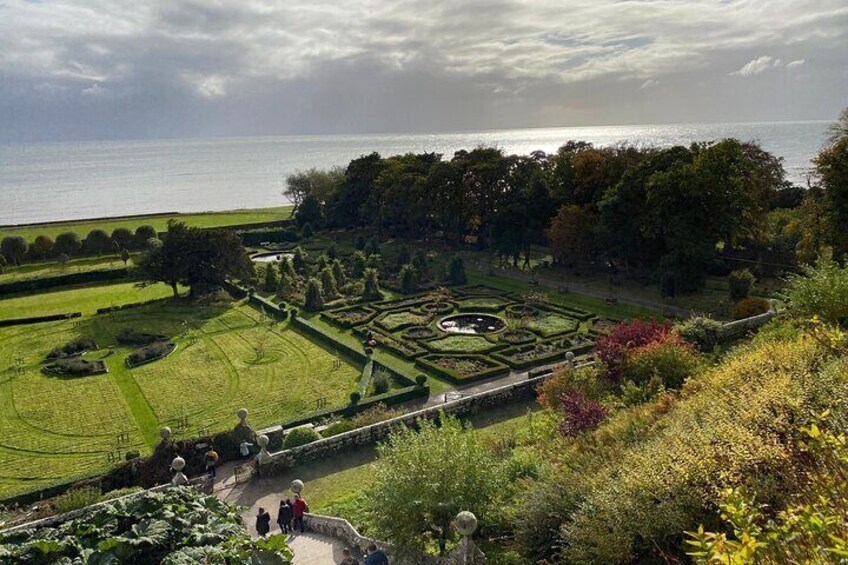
{"points": [[408, 279], [300, 436], [751, 306], [314, 300], [740, 282], [380, 382], [328, 283], [420, 380], [355, 397], [456, 271], [371, 287], [272, 278]]}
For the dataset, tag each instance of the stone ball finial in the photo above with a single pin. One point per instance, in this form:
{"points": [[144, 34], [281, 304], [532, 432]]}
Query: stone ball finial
{"points": [[297, 486], [466, 523], [262, 441], [165, 432], [569, 356], [242, 414], [178, 463]]}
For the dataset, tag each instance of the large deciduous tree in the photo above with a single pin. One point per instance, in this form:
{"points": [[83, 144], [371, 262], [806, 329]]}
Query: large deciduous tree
{"points": [[67, 243], [14, 249], [199, 259]]}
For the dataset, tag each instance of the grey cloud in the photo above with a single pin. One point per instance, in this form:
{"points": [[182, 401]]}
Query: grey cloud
{"points": [[101, 68]]}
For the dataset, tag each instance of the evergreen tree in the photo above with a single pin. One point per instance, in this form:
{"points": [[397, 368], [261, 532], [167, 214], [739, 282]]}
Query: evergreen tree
{"points": [[272, 277], [372, 248], [338, 273], [358, 264], [456, 271], [307, 232], [331, 252], [328, 282], [371, 291], [299, 260], [314, 297], [419, 261], [408, 279], [287, 269], [404, 258], [360, 242]]}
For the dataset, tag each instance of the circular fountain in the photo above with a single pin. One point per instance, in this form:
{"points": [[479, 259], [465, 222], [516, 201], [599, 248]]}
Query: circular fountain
{"points": [[471, 324]]}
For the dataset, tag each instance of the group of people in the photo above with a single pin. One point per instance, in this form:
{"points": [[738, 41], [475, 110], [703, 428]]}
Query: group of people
{"points": [[289, 517], [290, 520]]}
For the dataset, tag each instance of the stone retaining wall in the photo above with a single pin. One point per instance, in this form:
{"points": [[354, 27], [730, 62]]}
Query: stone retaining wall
{"points": [[368, 435], [738, 329]]}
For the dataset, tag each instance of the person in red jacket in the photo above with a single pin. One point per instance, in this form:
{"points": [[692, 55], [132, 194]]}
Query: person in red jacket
{"points": [[300, 508]]}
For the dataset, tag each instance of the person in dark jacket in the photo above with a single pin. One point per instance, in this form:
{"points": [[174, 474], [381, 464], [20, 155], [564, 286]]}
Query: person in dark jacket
{"points": [[284, 516], [263, 522], [376, 556]]}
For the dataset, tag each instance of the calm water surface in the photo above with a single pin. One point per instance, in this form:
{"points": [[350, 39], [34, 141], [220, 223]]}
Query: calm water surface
{"points": [[57, 181]]}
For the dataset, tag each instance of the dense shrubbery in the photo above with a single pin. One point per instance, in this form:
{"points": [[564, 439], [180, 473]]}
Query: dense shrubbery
{"points": [[705, 333], [613, 348], [671, 360], [751, 306], [821, 291], [740, 283], [72, 348], [300, 436], [172, 527], [75, 367]]}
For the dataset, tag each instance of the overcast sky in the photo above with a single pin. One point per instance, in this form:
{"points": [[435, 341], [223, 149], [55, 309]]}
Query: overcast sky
{"points": [[99, 69]]}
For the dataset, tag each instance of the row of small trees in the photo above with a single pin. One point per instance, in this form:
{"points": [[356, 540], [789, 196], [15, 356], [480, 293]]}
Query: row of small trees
{"points": [[16, 249]]}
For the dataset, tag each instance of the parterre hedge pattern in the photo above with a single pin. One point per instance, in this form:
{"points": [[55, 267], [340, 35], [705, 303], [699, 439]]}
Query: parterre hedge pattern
{"points": [[536, 334]]}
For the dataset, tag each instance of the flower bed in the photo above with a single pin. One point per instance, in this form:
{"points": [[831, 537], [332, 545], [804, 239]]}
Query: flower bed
{"points": [[75, 367], [526, 356], [73, 348], [437, 307], [399, 303], [150, 353], [401, 319], [406, 349], [419, 332], [549, 324], [461, 368], [517, 337], [521, 310], [349, 317], [460, 344]]}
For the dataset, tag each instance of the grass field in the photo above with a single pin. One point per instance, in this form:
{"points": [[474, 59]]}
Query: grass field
{"points": [[44, 269], [54, 429], [84, 298], [158, 221]]}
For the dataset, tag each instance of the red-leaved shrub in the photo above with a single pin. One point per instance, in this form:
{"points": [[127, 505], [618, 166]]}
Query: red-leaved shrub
{"points": [[613, 349], [580, 413]]}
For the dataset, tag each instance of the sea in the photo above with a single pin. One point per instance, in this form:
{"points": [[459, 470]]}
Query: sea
{"points": [[43, 182]]}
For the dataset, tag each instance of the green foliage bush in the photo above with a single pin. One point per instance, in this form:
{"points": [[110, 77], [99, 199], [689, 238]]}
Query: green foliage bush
{"points": [[380, 382], [672, 360], [300, 436], [307, 232], [75, 499], [328, 283], [703, 332], [820, 291], [272, 278], [173, 527], [456, 271], [408, 279], [357, 264], [740, 283], [314, 300], [371, 287]]}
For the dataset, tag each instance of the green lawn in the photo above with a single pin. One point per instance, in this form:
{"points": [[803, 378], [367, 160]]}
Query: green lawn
{"points": [[227, 357], [158, 221], [44, 269], [86, 299]]}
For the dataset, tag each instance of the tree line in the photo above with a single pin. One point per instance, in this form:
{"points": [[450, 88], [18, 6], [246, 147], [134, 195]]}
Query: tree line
{"points": [[654, 213], [15, 249]]}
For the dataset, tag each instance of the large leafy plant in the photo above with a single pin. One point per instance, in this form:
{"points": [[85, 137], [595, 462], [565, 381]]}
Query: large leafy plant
{"points": [[176, 526]]}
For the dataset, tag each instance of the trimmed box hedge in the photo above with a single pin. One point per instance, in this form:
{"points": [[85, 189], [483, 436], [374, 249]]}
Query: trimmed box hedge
{"points": [[336, 316], [255, 237], [39, 319], [317, 333]]}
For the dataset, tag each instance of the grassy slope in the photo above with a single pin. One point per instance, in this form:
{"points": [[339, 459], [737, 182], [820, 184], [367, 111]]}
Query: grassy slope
{"points": [[159, 221], [85, 298]]}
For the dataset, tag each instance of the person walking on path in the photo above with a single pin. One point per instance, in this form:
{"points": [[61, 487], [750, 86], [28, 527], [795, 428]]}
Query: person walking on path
{"points": [[211, 459], [244, 449], [284, 516], [376, 556], [263, 522], [348, 558], [300, 508]]}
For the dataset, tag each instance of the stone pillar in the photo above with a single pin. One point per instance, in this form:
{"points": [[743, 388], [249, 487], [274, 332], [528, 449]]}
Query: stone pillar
{"points": [[264, 456], [467, 553], [178, 464]]}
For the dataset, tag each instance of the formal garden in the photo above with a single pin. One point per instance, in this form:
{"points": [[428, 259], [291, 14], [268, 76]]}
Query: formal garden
{"points": [[79, 395]]}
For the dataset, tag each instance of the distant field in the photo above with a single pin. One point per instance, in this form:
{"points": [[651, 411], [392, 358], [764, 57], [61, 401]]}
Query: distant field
{"points": [[86, 299], [55, 429], [159, 222]]}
